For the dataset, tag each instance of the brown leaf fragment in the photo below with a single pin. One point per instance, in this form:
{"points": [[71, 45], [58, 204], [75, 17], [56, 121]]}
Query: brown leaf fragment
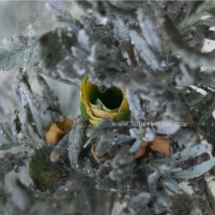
{"points": [[160, 144], [94, 154], [99, 157], [58, 129], [142, 149]]}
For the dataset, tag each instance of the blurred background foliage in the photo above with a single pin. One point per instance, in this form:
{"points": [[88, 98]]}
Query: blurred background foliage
{"points": [[15, 17]]}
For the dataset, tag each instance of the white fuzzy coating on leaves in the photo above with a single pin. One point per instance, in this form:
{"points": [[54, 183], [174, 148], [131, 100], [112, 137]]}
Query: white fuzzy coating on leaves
{"points": [[157, 191], [123, 164], [60, 152], [185, 137], [102, 127], [134, 104], [135, 146], [34, 107], [121, 31], [83, 40], [171, 184], [138, 202], [111, 138], [51, 98], [145, 52], [16, 128], [76, 143], [149, 135], [6, 133], [149, 31], [167, 126], [195, 171], [137, 133], [76, 138], [187, 153], [153, 177], [18, 50]]}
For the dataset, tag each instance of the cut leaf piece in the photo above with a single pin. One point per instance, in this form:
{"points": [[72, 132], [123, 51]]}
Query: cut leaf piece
{"points": [[160, 144], [142, 149], [58, 129]]}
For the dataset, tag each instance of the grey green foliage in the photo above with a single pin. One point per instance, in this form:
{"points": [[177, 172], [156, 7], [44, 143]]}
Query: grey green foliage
{"points": [[6, 133], [195, 171], [153, 50], [187, 153], [60, 151], [51, 98], [18, 50], [111, 138], [139, 203], [18, 133], [171, 184], [123, 164], [76, 142]]}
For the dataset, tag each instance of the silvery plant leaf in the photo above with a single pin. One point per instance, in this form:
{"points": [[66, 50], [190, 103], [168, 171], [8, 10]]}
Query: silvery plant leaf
{"points": [[195, 171], [187, 153]]}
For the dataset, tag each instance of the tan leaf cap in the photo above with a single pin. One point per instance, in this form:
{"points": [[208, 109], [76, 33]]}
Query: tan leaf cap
{"points": [[58, 129]]}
